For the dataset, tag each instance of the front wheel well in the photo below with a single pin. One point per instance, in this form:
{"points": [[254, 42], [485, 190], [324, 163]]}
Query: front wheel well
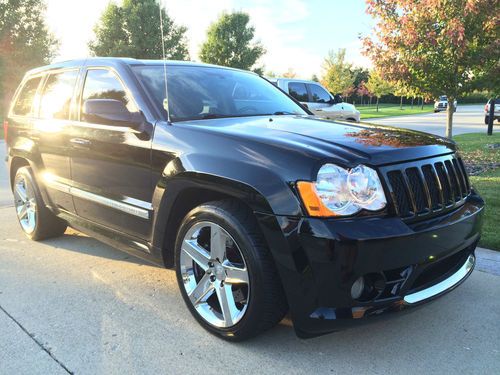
{"points": [[16, 163], [185, 202]]}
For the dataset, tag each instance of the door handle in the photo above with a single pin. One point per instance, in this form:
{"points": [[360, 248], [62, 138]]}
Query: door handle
{"points": [[80, 142]]}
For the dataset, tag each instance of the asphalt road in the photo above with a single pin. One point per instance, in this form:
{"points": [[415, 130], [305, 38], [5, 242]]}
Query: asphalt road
{"points": [[467, 119], [75, 305]]}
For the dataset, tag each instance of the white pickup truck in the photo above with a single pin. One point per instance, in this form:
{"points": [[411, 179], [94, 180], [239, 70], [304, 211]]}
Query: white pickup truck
{"points": [[317, 99]]}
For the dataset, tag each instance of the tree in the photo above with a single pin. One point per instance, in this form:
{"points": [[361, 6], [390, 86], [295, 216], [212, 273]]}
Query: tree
{"points": [[314, 78], [133, 30], [338, 77], [230, 42], [439, 47], [363, 91], [25, 43], [378, 85], [290, 73]]}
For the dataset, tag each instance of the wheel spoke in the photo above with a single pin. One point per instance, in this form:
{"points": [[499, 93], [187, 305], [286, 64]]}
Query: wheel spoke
{"points": [[31, 217], [22, 211], [227, 303], [235, 275], [217, 243], [196, 253], [202, 291], [21, 192]]}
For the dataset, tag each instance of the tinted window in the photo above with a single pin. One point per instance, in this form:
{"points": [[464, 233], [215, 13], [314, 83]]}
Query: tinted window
{"points": [[298, 91], [57, 95], [25, 98], [202, 93], [104, 84], [319, 94]]}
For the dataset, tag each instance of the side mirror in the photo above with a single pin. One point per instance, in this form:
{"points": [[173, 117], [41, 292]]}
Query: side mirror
{"points": [[110, 112]]}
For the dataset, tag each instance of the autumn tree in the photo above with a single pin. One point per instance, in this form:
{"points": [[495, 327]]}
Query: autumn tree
{"points": [[290, 73], [338, 77], [378, 85], [230, 42], [25, 43], [133, 30], [441, 47]]}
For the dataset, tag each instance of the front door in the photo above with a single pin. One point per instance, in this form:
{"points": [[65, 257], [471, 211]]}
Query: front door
{"points": [[111, 165], [321, 103]]}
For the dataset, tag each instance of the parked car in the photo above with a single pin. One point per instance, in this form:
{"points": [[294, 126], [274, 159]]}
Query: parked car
{"points": [[442, 104], [487, 111], [259, 206], [318, 99]]}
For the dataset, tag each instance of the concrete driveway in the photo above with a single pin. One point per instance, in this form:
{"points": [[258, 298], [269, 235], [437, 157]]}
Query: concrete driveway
{"points": [[74, 305], [467, 119]]}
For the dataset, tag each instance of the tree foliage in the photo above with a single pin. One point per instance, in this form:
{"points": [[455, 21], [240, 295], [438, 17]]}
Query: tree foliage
{"points": [[437, 46], [25, 43], [230, 42], [378, 86], [338, 76], [133, 30]]}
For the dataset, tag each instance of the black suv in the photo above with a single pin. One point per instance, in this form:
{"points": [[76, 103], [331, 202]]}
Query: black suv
{"points": [[259, 206]]}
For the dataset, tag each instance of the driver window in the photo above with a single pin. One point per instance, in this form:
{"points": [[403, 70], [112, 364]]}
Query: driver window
{"points": [[104, 84], [319, 94]]}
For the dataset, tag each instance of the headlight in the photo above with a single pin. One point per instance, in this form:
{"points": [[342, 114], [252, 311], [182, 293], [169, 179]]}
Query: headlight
{"points": [[341, 192]]}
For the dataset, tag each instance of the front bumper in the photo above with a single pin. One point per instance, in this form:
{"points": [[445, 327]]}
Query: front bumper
{"points": [[318, 261]]}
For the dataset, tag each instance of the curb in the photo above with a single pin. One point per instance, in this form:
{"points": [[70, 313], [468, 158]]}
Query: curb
{"points": [[488, 261]]}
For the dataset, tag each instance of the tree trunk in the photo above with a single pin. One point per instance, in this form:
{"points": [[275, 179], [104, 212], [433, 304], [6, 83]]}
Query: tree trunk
{"points": [[449, 117], [422, 106], [412, 98], [401, 103], [377, 103]]}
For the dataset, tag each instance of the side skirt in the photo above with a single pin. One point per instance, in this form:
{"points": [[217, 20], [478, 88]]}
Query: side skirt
{"points": [[116, 239]]}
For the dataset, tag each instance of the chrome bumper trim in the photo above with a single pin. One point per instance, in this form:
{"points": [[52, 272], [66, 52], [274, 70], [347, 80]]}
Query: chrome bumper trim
{"points": [[443, 285]]}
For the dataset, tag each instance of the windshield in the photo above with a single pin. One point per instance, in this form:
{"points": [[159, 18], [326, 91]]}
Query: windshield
{"points": [[205, 92]]}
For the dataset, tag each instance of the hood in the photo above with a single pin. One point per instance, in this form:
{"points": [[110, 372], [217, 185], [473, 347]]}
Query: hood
{"points": [[352, 143]]}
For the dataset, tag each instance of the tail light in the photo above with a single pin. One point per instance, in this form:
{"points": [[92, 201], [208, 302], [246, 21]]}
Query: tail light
{"points": [[5, 129]]}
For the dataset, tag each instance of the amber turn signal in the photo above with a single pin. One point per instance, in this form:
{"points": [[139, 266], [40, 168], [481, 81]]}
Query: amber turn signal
{"points": [[311, 201]]}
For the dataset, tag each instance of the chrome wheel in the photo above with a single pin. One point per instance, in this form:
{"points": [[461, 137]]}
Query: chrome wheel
{"points": [[214, 274], [25, 203]]}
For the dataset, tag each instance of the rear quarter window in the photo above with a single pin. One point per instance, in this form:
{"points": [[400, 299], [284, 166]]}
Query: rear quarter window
{"points": [[24, 101]]}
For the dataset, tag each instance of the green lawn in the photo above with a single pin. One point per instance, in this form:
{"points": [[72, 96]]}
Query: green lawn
{"points": [[473, 150], [488, 185], [387, 110], [473, 147]]}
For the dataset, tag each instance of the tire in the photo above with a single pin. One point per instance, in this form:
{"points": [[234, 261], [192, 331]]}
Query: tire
{"points": [[35, 219], [253, 306]]}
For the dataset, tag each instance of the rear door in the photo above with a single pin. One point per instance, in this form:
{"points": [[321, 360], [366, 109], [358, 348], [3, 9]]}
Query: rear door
{"points": [[51, 131], [111, 165]]}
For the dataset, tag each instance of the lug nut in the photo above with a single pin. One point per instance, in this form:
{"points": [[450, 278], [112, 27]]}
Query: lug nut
{"points": [[212, 278], [210, 264]]}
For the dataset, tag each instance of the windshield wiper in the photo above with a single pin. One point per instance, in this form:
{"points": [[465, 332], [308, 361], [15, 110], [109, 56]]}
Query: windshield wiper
{"points": [[281, 113]]}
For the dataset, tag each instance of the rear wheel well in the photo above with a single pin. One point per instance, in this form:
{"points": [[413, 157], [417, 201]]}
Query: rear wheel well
{"points": [[16, 163], [185, 202]]}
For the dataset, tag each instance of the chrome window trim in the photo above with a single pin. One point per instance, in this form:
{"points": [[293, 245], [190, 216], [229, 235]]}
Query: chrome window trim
{"points": [[444, 285], [129, 205]]}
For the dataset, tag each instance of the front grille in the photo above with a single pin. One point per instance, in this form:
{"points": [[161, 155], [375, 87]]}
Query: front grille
{"points": [[426, 187]]}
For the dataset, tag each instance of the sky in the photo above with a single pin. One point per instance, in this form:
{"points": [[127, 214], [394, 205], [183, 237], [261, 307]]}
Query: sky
{"points": [[297, 34]]}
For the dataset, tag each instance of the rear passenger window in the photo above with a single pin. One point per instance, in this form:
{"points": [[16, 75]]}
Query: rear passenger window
{"points": [[104, 84], [57, 95], [25, 98], [298, 91]]}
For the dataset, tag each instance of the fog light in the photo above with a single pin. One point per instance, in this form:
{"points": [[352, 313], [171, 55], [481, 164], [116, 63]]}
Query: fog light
{"points": [[357, 288]]}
